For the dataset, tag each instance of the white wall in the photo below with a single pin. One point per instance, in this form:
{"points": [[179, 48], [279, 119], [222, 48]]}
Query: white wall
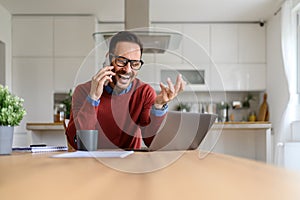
{"points": [[5, 36]]}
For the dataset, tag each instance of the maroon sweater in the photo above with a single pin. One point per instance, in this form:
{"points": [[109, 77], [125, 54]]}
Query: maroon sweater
{"points": [[122, 120]]}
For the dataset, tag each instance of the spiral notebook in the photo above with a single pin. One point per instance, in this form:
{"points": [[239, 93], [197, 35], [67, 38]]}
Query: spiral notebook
{"points": [[40, 149]]}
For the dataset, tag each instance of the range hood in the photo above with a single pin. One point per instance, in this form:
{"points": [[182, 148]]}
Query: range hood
{"points": [[137, 20]]}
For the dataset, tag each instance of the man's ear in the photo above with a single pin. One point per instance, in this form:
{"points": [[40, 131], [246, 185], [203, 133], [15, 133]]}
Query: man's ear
{"points": [[107, 61]]}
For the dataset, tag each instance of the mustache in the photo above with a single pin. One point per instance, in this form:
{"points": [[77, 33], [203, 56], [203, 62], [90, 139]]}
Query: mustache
{"points": [[124, 73], [120, 73]]}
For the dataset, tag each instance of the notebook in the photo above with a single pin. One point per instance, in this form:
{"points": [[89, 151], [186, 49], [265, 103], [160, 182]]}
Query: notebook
{"points": [[40, 149], [182, 131]]}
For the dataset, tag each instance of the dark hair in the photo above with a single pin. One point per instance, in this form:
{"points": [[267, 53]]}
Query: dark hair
{"points": [[124, 36]]}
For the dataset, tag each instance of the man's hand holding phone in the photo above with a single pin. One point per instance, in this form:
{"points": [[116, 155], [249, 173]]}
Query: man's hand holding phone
{"points": [[103, 77]]}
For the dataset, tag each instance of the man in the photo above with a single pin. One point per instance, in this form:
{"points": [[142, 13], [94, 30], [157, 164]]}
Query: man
{"points": [[122, 108]]}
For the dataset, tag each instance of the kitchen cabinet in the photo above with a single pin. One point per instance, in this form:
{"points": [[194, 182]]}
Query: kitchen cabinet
{"points": [[47, 54], [239, 53], [196, 43], [195, 52], [171, 56], [195, 76], [242, 139], [73, 42], [238, 43], [189, 56], [33, 81], [61, 38], [238, 77], [251, 43], [73, 35], [224, 43], [51, 134], [65, 73], [32, 36]]}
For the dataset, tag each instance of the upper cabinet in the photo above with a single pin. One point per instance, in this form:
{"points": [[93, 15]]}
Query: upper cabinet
{"points": [[196, 43], [73, 35], [224, 43], [251, 43], [48, 54], [171, 56], [32, 36], [238, 43], [239, 52], [63, 36]]}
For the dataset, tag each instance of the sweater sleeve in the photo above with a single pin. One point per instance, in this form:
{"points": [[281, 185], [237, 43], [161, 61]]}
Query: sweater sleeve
{"points": [[150, 121], [83, 114]]}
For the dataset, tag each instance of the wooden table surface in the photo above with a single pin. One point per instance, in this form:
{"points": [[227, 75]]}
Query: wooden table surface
{"points": [[144, 175]]}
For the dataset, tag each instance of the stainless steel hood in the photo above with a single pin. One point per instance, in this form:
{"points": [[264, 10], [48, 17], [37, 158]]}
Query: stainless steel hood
{"points": [[137, 20]]}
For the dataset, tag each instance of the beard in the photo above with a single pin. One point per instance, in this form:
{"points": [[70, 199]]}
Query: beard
{"points": [[122, 80]]}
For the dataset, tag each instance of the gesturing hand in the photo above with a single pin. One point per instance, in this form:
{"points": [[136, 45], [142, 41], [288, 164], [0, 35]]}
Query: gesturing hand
{"points": [[99, 80], [169, 92]]}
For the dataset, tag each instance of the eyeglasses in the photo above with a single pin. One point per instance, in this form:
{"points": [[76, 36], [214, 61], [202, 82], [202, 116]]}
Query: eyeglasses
{"points": [[122, 62]]}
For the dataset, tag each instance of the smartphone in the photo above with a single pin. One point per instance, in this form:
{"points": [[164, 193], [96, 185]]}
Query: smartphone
{"points": [[108, 63]]}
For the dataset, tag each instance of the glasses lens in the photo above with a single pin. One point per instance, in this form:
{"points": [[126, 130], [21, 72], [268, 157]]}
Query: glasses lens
{"points": [[135, 64], [121, 62]]}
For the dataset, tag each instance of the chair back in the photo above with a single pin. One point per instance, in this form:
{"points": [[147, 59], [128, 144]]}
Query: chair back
{"points": [[66, 123]]}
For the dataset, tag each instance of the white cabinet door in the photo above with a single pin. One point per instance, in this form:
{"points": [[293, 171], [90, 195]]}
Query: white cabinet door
{"points": [[250, 143], [69, 72], [238, 77], [196, 43], [32, 36], [65, 72], [73, 36], [33, 81], [173, 56], [239, 53], [252, 43], [224, 43]]}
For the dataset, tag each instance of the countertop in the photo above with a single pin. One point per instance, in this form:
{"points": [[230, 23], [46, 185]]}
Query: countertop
{"points": [[45, 126], [218, 125], [242, 125]]}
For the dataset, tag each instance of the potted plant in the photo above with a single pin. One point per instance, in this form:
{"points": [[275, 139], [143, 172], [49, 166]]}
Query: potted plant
{"points": [[11, 114], [184, 107], [68, 102]]}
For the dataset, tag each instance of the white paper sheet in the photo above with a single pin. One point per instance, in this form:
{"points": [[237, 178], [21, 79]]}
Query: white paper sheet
{"points": [[94, 154]]}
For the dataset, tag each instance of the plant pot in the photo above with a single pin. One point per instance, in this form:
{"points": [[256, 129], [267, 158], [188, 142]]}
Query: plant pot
{"points": [[6, 139]]}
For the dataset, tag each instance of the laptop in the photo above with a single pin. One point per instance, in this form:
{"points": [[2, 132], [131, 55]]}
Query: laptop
{"points": [[182, 131]]}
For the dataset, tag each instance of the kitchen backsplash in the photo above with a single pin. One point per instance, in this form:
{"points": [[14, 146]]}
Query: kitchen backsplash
{"points": [[239, 104]]}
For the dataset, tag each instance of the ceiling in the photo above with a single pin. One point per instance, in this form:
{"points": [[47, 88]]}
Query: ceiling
{"points": [[160, 10]]}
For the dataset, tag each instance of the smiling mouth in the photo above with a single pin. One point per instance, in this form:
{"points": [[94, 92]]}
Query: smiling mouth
{"points": [[124, 78]]}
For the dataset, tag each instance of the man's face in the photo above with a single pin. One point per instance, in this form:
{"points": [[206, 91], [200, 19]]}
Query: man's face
{"points": [[125, 75]]}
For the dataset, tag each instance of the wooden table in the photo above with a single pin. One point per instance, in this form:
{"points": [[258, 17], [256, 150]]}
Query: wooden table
{"points": [[38, 176]]}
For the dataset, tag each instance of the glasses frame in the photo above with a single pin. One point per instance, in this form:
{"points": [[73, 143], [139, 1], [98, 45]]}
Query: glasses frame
{"points": [[127, 61]]}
